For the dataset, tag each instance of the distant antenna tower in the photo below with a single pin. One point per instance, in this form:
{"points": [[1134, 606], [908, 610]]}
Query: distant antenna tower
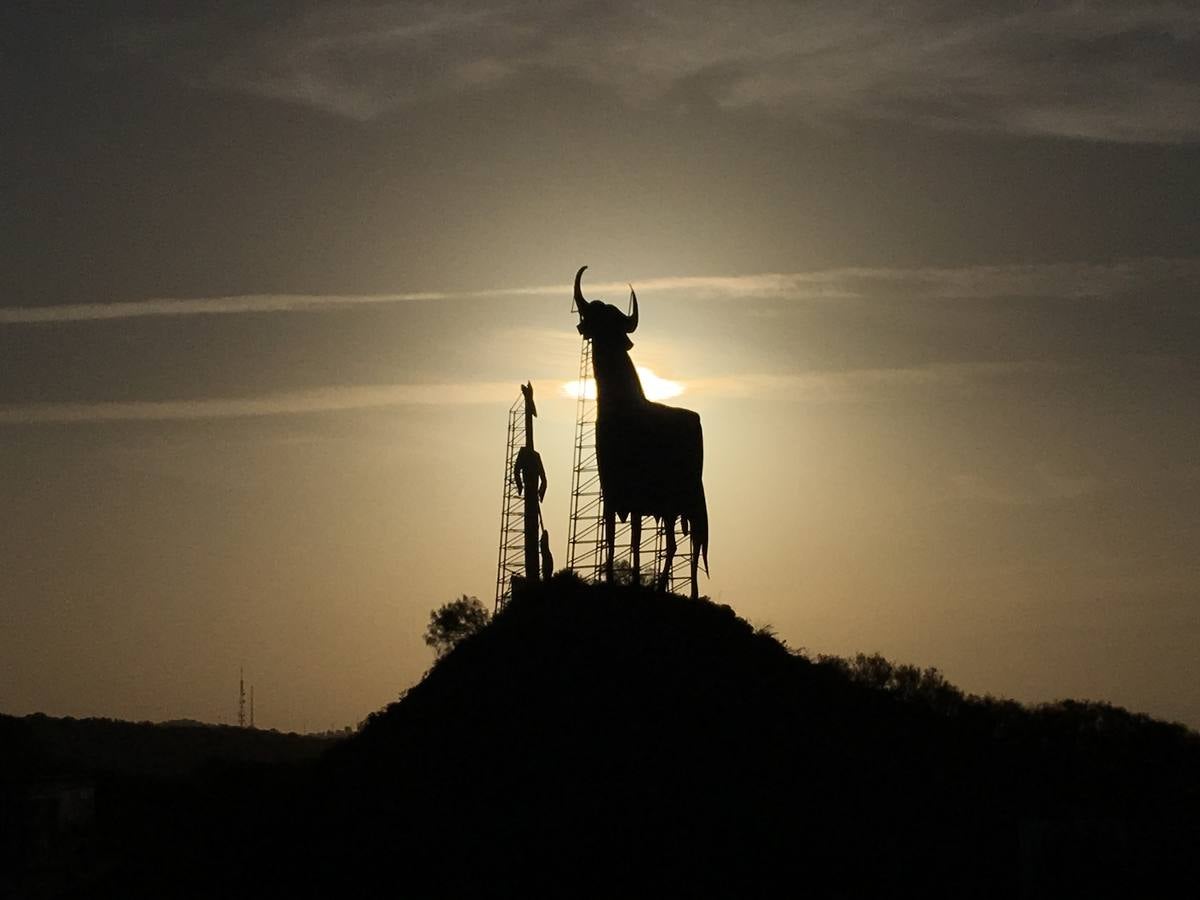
{"points": [[251, 706], [586, 535], [241, 697]]}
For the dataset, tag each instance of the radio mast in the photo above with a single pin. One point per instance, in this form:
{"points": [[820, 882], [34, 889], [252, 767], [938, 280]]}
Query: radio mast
{"points": [[241, 697]]}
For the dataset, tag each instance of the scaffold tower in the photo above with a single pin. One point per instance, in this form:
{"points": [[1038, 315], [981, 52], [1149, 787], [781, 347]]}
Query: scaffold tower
{"points": [[586, 535], [512, 514], [524, 542]]}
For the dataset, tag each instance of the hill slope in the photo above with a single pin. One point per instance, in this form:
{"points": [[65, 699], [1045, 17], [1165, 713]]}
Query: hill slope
{"points": [[596, 740], [615, 742]]}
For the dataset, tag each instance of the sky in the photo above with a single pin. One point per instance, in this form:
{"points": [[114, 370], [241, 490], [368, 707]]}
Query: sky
{"points": [[270, 278]]}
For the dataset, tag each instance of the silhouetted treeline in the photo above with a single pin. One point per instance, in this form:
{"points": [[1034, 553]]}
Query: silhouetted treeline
{"points": [[1074, 721], [595, 741], [45, 745], [82, 797]]}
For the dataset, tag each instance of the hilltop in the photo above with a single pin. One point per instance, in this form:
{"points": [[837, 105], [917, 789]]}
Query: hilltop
{"points": [[613, 740], [596, 741]]}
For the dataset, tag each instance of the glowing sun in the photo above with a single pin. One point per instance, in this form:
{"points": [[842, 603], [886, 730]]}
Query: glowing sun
{"points": [[656, 388]]}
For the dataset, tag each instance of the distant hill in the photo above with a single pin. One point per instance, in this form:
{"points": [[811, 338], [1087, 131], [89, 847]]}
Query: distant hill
{"points": [[46, 746], [613, 742], [99, 807]]}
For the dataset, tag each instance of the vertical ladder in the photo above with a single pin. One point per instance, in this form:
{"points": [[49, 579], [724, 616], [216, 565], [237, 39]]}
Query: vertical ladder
{"points": [[585, 536], [511, 557]]}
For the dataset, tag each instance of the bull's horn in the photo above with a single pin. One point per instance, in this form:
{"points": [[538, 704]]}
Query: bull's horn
{"points": [[579, 298], [631, 320]]}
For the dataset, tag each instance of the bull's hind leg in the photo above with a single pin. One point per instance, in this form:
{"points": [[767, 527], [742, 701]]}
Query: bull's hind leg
{"points": [[635, 533], [664, 579], [695, 564], [610, 539]]}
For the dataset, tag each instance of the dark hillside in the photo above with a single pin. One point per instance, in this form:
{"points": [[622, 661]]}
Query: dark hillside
{"points": [[615, 742], [605, 741]]}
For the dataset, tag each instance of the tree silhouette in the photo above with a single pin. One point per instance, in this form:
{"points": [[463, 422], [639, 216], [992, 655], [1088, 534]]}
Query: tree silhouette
{"points": [[453, 621]]}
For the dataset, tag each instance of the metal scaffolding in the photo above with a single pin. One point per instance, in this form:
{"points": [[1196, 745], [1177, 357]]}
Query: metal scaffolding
{"points": [[512, 516], [586, 535]]}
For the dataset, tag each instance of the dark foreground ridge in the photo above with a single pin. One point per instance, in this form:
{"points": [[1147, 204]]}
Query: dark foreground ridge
{"points": [[615, 742], [598, 741]]}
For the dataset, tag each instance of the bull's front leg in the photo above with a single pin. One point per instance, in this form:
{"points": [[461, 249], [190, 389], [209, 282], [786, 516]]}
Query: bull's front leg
{"points": [[694, 565], [635, 531], [664, 579], [610, 539]]}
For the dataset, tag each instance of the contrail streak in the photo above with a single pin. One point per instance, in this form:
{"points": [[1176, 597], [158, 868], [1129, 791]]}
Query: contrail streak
{"points": [[1048, 280]]}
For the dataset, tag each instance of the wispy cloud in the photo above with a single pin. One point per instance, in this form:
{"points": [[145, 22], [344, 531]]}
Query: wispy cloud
{"points": [[858, 385], [314, 400], [198, 306], [1106, 71], [1061, 280], [1038, 486], [1068, 280], [843, 386]]}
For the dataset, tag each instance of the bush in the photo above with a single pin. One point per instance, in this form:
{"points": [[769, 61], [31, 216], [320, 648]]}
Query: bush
{"points": [[453, 621]]}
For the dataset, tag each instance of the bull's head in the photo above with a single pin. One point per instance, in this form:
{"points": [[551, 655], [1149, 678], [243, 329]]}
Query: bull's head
{"points": [[602, 322]]}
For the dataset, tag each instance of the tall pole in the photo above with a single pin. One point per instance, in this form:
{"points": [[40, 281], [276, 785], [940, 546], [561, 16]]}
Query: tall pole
{"points": [[530, 476], [241, 697], [532, 569]]}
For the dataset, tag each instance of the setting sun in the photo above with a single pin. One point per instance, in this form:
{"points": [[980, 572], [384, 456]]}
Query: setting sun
{"points": [[656, 388]]}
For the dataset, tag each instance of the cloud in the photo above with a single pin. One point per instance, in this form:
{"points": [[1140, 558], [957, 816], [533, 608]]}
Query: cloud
{"points": [[1061, 280], [361, 60], [1039, 486], [843, 386], [313, 400], [198, 306], [859, 385], [1105, 71], [1068, 280]]}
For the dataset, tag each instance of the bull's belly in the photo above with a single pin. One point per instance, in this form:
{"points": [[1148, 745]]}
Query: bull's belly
{"points": [[650, 464]]}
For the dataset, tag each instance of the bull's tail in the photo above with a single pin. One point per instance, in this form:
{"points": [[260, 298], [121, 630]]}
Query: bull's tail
{"points": [[700, 529]]}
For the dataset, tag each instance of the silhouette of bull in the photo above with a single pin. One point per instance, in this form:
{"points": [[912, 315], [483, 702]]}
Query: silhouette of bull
{"points": [[650, 456]]}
